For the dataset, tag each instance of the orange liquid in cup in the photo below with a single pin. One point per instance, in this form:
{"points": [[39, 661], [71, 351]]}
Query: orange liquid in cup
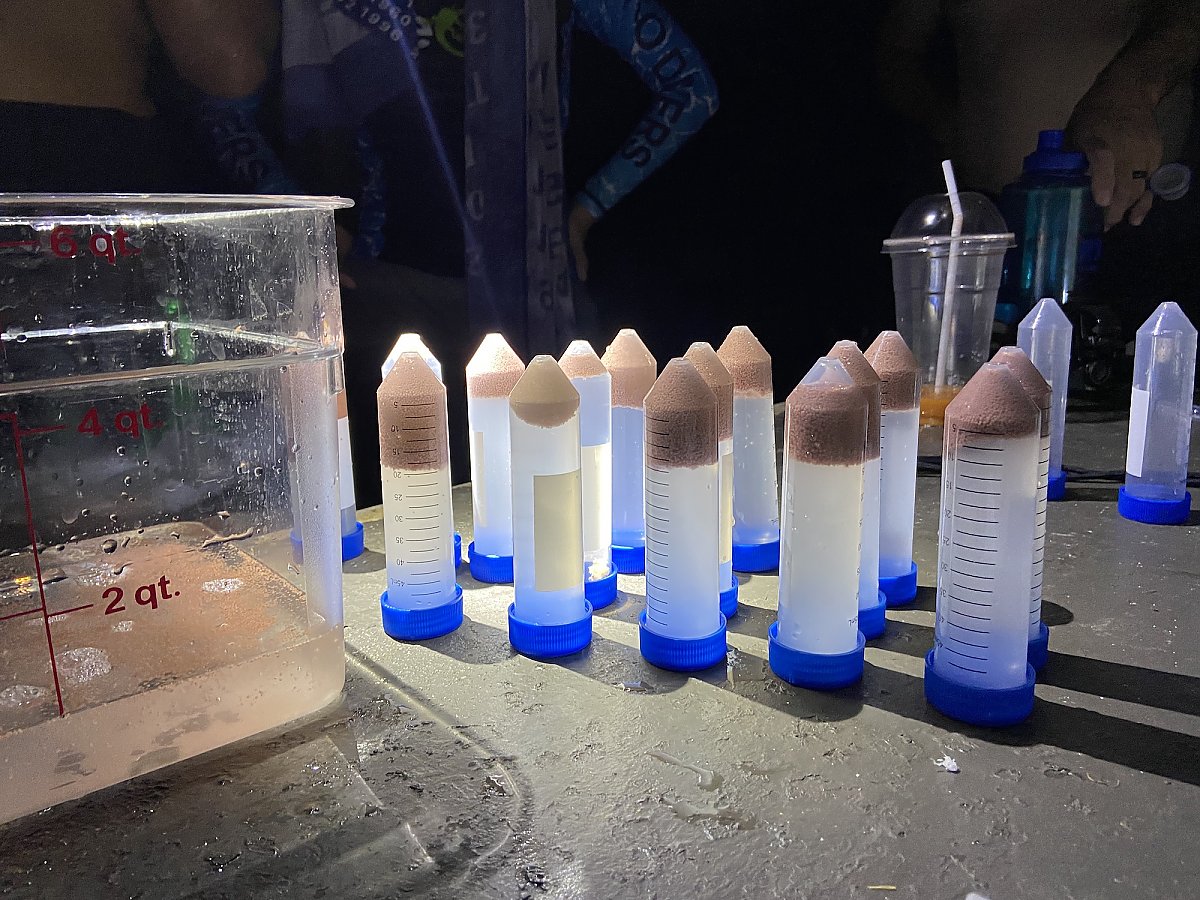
{"points": [[934, 402]]}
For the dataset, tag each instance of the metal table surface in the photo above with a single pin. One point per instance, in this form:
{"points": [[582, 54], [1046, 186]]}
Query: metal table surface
{"points": [[457, 769]]}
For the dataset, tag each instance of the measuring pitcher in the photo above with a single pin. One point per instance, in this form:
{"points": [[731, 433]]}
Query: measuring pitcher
{"points": [[170, 564]]}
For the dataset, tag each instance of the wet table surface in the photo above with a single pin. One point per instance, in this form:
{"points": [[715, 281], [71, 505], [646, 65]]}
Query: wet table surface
{"points": [[455, 768]]}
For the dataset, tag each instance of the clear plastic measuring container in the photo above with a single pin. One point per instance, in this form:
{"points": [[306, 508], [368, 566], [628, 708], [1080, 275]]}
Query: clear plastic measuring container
{"points": [[169, 368]]}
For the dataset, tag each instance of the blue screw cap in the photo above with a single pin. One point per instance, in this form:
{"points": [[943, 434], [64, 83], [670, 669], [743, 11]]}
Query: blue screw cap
{"points": [[1056, 487], [872, 621], [900, 590], [1154, 512], [489, 569], [602, 591], [352, 543], [549, 641], [756, 557], [819, 671], [422, 624], [1039, 648], [629, 560], [988, 707], [681, 654], [729, 601]]}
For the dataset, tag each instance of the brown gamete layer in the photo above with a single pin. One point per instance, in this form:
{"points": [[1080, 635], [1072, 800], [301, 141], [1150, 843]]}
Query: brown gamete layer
{"points": [[897, 368], [544, 396], [827, 424], [864, 376], [681, 418], [748, 362], [632, 367], [494, 369], [992, 403], [720, 382], [1036, 387], [412, 417], [581, 361]]}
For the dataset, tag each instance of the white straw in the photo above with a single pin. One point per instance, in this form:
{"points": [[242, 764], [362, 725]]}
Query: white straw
{"points": [[956, 225]]}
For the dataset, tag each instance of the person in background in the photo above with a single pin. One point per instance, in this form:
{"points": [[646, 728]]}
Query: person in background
{"points": [[81, 108], [1120, 83]]}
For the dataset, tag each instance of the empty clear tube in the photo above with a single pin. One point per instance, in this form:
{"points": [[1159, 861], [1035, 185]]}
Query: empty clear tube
{"points": [[1039, 394], [899, 424], [815, 642], [550, 615], [682, 627], [720, 382], [592, 381], [633, 370], [1045, 336], [872, 604], [1160, 420], [492, 373], [755, 480], [352, 529], [978, 669], [422, 599]]}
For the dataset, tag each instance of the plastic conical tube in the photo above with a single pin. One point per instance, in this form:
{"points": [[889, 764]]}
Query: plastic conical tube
{"points": [[352, 530], [978, 669], [550, 615], [1039, 394], [899, 424], [594, 384], [682, 627], [816, 641], [720, 382], [1160, 420], [422, 599], [872, 603], [1045, 335], [492, 373], [755, 484], [633, 370]]}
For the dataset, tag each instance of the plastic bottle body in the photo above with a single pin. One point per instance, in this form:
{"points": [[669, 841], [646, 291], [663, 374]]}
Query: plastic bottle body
{"points": [[682, 587], [820, 537], [418, 529], [547, 522], [1048, 345], [985, 561], [898, 430], [755, 483], [628, 458], [491, 475], [1160, 410]]}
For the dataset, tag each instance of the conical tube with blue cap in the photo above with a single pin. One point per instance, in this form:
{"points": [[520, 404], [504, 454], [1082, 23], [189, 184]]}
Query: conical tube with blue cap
{"points": [[872, 603], [978, 670], [422, 600], [755, 481], [1160, 420], [352, 529], [594, 384], [682, 627], [633, 370], [1045, 336], [899, 425], [816, 642], [410, 341], [492, 373], [1039, 394], [550, 615], [720, 382]]}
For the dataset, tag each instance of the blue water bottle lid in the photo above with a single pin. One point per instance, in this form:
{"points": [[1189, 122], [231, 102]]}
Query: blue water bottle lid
{"points": [[1052, 158]]}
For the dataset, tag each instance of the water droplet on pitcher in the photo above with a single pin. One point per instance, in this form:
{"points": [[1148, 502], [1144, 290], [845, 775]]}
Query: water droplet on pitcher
{"points": [[128, 480], [121, 450], [109, 546], [258, 471], [85, 512]]}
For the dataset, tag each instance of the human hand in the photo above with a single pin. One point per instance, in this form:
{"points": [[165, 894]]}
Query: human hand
{"points": [[1117, 130], [579, 223]]}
